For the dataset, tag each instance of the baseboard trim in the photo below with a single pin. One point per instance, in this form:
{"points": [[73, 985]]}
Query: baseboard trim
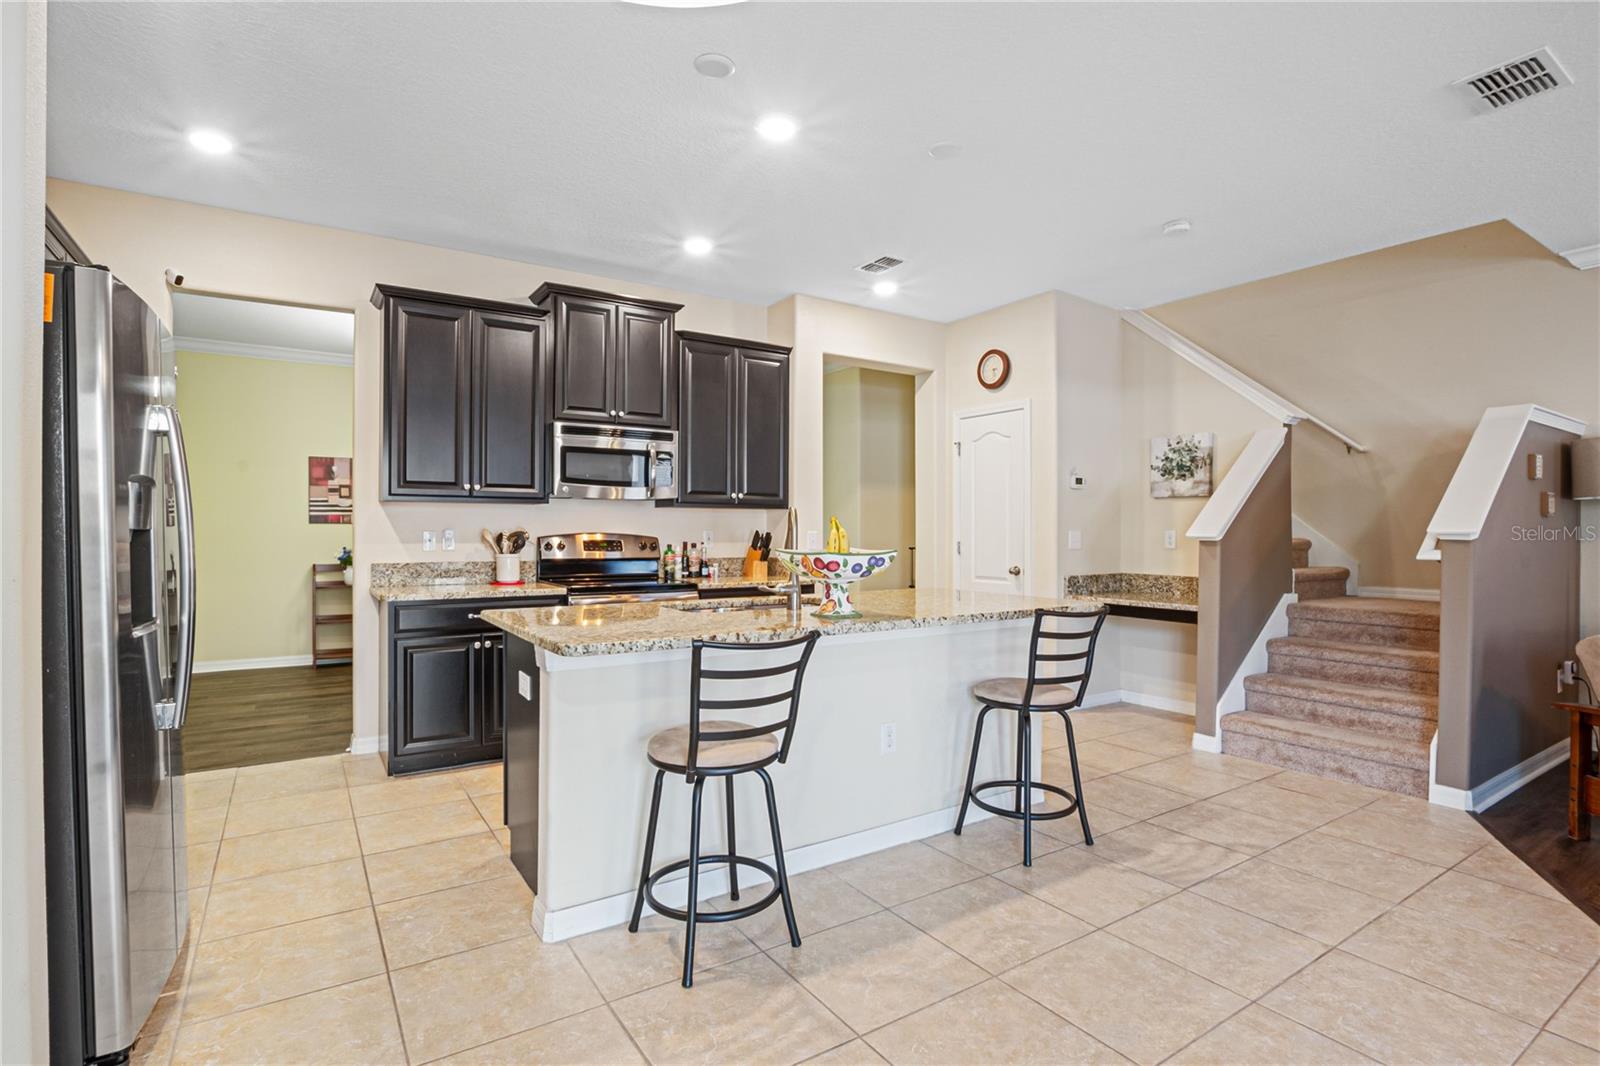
{"points": [[1201, 742], [1500, 785], [217, 666], [1396, 592], [364, 745], [1140, 699], [568, 922]]}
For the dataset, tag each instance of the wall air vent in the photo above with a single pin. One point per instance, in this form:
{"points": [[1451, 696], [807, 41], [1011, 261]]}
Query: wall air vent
{"points": [[1520, 79], [880, 264]]}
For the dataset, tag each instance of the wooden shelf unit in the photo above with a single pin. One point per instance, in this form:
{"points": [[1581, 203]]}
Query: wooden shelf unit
{"points": [[323, 654]]}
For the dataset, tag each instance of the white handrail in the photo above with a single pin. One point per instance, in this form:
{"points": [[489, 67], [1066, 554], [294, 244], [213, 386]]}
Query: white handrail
{"points": [[1245, 386], [1464, 507], [1243, 477]]}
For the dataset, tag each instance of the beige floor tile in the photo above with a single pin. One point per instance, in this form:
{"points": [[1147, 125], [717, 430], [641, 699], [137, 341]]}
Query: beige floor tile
{"points": [[288, 812], [479, 780], [492, 806], [748, 1010], [1553, 926], [907, 871], [1228, 826], [1182, 774], [291, 896], [364, 770], [992, 923], [1410, 808], [418, 825], [1232, 765], [153, 1046], [1416, 838], [207, 789], [1140, 1004], [1327, 787], [455, 919], [1093, 725], [504, 837], [990, 1022], [1308, 905], [430, 867], [877, 969], [1173, 857], [593, 1038], [1579, 1018], [199, 862], [822, 900], [1133, 798], [279, 963], [1493, 862], [277, 780], [1285, 805], [855, 1053], [622, 963], [1522, 982], [1548, 1049], [204, 826], [1257, 1036], [286, 849], [1069, 830], [1164, 740], [994, 843], [1107, 757], [1242, 954], [1057, 767], [404, 793], [338, 1026], [1395, 1018], [1344, 862], [1096, 890], [478, 996]]}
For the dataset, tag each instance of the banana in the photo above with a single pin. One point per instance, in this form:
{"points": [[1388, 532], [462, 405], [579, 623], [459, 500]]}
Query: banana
{"points": [[838, 539]]}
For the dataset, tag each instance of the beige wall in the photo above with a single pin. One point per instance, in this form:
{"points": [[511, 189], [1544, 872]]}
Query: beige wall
{"points": [[24, 1020], [1403, 349], [251, 424], [869, 463]]}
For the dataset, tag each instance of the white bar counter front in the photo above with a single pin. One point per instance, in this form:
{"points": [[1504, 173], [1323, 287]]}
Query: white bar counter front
{"points": [[585, 687]]}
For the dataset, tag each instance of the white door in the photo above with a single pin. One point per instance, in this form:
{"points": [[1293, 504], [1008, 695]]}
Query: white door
{"points": [[992, 512]]}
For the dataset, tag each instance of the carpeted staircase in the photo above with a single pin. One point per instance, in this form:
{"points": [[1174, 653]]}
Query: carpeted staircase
{"points": [[1351, 693]]}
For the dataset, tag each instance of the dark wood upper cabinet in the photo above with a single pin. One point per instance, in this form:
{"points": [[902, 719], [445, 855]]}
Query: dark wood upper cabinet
{"points": [[613, 358], [464, 397], [733, 429]]}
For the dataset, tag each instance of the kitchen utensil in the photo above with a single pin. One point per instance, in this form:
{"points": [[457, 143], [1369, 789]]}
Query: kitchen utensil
{"points": [[791, 533], [492, 540]]}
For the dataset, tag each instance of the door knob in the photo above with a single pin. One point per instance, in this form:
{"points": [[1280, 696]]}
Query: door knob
{"points": [[1015, 571]]}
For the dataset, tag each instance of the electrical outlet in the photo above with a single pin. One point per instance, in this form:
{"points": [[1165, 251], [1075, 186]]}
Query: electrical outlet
{"points": [[427, 540], [525, 685], [1169, 539], [1566, 675], [1074, 540], [813, 540], [886, 739], [447, 540]]}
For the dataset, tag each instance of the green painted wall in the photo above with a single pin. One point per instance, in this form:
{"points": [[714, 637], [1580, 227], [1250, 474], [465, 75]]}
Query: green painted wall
{"points": [[250, 425]]}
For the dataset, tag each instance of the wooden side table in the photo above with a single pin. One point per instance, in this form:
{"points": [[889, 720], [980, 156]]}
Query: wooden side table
{"points": [[1583, 792]]}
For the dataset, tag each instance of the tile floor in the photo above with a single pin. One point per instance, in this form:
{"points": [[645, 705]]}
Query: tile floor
{"points": [[1227, 913]]}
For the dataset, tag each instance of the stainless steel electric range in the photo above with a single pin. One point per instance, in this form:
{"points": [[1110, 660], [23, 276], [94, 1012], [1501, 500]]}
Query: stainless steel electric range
{"points": [[607, 568]]}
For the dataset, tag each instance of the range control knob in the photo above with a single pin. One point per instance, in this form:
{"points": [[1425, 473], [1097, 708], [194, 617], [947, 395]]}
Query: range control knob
{"points": [[546, 545], [653, 545], [561, 545]]}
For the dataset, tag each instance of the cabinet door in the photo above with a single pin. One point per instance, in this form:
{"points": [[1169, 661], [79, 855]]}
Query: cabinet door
{"points": [[437, 706], [508, 445], [585, 358], [492, 692], [706, 430], [427, 374], [644, 378], [763, 430]]}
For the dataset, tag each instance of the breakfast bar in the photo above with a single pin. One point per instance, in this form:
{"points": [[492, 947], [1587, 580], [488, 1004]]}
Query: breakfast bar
{"points": [[878, 757]]}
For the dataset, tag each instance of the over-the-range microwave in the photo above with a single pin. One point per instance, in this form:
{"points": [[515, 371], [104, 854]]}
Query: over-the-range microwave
{"points": [[604, 462]]}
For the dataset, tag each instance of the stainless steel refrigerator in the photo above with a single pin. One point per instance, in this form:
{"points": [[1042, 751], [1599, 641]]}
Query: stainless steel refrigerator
{"points": [[119, 588]]}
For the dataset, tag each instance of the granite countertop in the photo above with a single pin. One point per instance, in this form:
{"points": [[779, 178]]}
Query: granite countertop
{"points": [[462, 590], [619, 628], [1169, 592]]}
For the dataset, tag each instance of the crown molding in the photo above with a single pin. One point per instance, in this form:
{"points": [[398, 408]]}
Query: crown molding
{"points": [[207, 346], [1583, 258]]}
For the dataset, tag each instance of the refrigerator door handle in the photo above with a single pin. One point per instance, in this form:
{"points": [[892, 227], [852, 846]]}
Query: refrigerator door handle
{"points": [[171, 710]]}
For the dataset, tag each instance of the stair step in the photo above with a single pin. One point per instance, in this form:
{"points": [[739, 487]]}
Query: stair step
{"points": [[1299, 552], [1368, 620], [1320, 582], [1388, 710], [1390, 763], [1411, 669]]}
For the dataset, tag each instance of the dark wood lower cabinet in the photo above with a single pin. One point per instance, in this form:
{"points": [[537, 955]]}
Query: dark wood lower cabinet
{"points": [[522, 760]]}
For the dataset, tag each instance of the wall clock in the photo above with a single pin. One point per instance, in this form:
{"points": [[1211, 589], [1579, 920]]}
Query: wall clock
{"points": [[994, 367]]}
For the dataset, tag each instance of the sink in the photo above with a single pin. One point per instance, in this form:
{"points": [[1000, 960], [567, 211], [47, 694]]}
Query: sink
{"points": [[714, 607]]}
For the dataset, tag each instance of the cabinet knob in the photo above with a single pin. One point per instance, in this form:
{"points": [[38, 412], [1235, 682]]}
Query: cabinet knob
{"points": [[477, 488], [477, 644]]}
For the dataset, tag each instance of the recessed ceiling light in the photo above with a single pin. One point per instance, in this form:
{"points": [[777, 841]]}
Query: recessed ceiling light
{"points": [[884, 288], [1176, 227], [210, 142], [698, 246], [777, 128], [714, 65], [945, 150]]}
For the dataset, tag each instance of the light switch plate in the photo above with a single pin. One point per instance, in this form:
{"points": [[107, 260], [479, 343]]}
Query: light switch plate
{"points": [[1535, 466], [1547, 504], [1075, 480], [447, 540], [1074, 540], [813, 540], [1170, 539], [524, 685]]}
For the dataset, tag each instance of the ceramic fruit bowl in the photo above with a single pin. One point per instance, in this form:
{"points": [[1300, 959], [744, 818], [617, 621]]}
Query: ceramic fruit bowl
{"points": [[837, 571]]}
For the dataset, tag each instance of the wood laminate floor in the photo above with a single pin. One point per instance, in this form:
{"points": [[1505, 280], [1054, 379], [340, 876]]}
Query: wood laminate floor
{"points": [[1532, 824], [248, 717]]}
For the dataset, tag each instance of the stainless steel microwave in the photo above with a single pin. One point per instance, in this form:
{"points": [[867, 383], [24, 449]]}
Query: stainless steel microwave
{"points": [[602, 462]]}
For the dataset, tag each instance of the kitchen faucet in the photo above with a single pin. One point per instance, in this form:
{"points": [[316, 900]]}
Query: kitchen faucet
{"points": [[791, 590]]}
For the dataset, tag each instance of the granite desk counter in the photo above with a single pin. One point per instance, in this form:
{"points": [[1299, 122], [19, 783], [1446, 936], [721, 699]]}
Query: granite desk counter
{"points": [[587, 686]]}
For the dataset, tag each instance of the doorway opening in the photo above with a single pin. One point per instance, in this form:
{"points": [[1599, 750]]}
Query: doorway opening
{"points": [[869, 464], [266, 393]]}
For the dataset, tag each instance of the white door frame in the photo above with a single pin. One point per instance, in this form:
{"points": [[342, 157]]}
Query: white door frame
{"points": [[1026, 409]]}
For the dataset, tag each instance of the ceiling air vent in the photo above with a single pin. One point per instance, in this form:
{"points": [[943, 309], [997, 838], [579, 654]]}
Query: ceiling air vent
{"points": [[880, 264], [1518, 80]]}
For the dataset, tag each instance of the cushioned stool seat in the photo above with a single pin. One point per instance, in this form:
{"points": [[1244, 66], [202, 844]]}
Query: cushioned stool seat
{"points": [[670, 747], [1008, 692]]}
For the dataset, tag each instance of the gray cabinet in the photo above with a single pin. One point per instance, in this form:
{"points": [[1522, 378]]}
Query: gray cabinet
{"points": [[612, 357], [733, 423]]}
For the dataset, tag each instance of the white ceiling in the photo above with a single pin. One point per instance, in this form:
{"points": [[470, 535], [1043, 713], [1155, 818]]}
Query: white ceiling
{"points": [[580, 136], [250, 327]]}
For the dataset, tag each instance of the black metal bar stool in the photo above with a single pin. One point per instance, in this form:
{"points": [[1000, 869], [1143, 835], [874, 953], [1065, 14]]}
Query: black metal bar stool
{"points": [[720, 748], [1043, 691]]}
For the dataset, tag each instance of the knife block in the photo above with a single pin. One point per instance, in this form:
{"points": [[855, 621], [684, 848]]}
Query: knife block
{"points": [[754, 568]]}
